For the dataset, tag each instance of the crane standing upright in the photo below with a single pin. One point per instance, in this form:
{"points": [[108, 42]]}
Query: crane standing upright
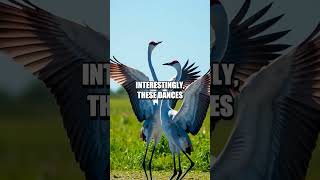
{"points": [[189, 119]]}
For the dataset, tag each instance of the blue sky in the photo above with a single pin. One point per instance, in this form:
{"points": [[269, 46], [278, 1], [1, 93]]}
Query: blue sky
{"points": [[182, 25]]}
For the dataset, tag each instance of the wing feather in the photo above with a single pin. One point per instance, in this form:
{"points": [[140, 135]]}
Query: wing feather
{"points": [[195, 105], [246, 46], [127, 77], [188, 76], [298, 118], [44, 44], [277, 124]]}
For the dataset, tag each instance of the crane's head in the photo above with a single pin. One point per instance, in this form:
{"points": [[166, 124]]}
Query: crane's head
{"points": [[153, 44], [175, 64]]}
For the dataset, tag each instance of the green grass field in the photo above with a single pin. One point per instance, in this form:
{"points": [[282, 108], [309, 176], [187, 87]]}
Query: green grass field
{"points": [[127, 149], [35, 149], [161, 175], [34, 146]]}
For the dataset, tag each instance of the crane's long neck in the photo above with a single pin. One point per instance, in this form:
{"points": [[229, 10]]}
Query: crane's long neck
{"points": [[164, 111], [220, 25], [165, 103], [154, 76], [179, 73]]}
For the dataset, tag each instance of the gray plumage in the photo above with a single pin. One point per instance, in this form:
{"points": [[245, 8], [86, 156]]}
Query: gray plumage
{"points": [[277, 120], [53, 49], [189, 119], [146, 110]]}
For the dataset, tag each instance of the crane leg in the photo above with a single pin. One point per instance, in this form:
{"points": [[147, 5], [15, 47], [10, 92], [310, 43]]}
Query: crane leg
{"points": [[180, 170], [191, 162], [150, 162], [174, 167], [144, 161]]}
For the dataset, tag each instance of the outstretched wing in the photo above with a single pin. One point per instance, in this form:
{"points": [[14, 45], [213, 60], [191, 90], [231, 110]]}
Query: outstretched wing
{"points": [[127, 77], [188, 75], [297, 123], [247, 48], [279, 111], [195, 105], [54, 49]]}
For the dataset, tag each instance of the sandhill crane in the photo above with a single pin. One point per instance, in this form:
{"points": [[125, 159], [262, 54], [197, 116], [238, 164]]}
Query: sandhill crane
{"points": [[277, 121], [54, 49], [146, 110], [151, 128], [177, 124]]}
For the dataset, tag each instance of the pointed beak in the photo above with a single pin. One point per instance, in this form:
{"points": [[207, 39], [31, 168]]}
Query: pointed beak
{"points": [[166, 64], [159, 43]]}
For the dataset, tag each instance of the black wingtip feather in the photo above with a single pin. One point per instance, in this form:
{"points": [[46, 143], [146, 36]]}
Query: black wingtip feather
{"points": [[22, 5], [259, 28], [186, 64], [255, 17], [265, 39], [115, 60], [241, 14], [31, 4], [312, 35]]}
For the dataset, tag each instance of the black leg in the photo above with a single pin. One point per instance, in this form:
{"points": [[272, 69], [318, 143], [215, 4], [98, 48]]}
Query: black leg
{"points": [[174, 167], [180, 169], [154, 147], [191, 162], [144, 162]]}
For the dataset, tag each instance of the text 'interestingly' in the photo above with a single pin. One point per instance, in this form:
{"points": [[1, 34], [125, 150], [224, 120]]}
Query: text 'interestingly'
{"points": [[159, 90]]}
